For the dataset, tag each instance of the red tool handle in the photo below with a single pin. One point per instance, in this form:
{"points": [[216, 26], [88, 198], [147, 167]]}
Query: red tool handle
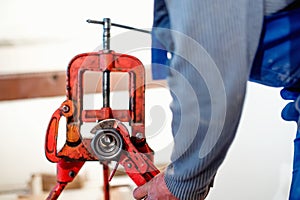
{"points": [[138, 177], [51, 137]]}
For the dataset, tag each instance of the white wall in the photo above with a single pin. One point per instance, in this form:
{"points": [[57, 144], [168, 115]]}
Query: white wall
{"points": [[259, 163], [48, 34]]}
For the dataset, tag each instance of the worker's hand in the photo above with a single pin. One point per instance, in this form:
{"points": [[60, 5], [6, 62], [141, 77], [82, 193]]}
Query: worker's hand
{"points": [[156, 189]]}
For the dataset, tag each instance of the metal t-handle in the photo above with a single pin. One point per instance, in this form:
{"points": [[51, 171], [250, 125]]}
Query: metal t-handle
{"points": [[106, 33]]}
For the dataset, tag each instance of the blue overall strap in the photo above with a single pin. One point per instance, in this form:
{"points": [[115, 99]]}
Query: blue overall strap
{"points": [[159, 58], [160, 61], [291, 112]]}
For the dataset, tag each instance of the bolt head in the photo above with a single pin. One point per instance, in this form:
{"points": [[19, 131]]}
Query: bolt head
{"points": [[65, 108], [72, 174], [139, 135]]}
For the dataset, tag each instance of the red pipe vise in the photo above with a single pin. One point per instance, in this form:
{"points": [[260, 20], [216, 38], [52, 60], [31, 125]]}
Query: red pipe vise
{"points": [[110, 140]]}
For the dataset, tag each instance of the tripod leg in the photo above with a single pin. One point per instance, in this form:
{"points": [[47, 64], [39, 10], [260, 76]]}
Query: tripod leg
{"points": [[106, 181], [56, 191], [66, 172]]}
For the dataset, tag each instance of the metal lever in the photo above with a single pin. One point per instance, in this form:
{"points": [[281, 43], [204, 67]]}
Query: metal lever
{"points": [[118, 25]]}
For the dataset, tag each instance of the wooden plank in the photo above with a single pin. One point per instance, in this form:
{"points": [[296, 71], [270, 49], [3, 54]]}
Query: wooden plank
{"points": [[50, 84], [32, 85]]}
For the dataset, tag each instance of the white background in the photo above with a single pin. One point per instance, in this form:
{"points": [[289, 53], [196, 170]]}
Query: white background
{"points": [[45, 35]]}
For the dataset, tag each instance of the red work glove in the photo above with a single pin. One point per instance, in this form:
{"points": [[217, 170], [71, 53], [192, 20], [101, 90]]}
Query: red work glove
{"points": [[156, 189]]}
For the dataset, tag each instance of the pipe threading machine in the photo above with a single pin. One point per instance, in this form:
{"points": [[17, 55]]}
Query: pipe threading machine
{"points": [[110, 139]]}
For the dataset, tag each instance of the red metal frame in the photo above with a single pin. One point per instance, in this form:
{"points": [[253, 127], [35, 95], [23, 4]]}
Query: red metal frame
{"points": [[77, 150]]}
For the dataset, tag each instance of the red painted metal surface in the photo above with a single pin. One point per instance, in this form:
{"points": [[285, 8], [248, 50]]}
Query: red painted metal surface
{"points": [[137, 158], [66, 172]]}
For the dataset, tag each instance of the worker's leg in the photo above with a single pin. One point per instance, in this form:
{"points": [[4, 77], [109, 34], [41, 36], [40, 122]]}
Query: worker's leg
{"points": [[291, 112], [277, 64], [295, 186]]}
